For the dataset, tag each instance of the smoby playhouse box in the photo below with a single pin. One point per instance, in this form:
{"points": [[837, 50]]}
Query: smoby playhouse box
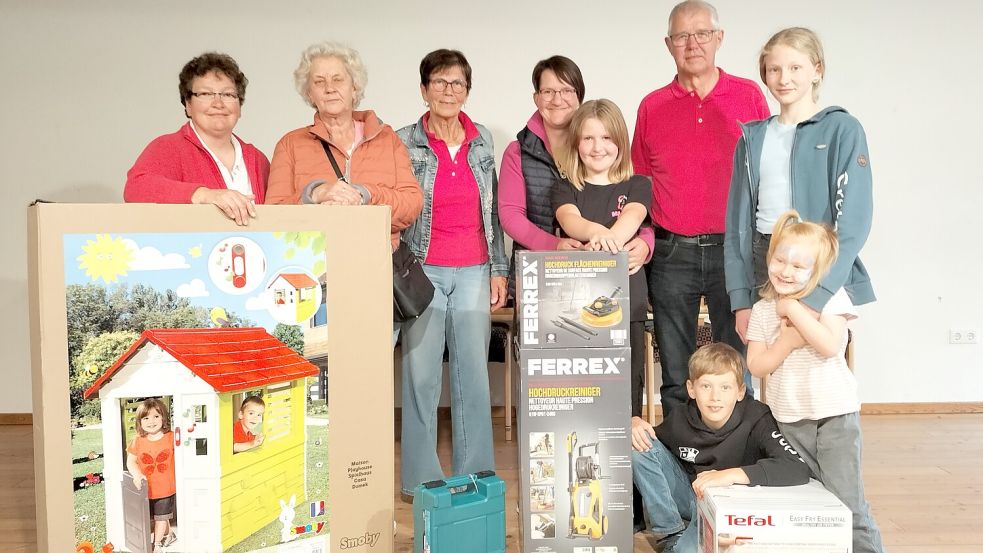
{"points": [[745, 519], [182, 399], [572, 299]]}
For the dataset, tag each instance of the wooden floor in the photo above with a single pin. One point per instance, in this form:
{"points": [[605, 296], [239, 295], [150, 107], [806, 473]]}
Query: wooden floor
{"points": [[924, 478]]}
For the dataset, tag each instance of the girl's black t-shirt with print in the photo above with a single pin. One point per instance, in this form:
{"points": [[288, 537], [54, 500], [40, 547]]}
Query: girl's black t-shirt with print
{"points": [[603, 204]]}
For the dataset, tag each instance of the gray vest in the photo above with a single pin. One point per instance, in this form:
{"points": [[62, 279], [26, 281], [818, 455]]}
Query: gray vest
{"points": [[540, 173]]}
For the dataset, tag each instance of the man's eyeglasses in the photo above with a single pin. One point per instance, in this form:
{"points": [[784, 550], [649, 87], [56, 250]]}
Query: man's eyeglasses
{"points": [[440, 85], [702, 37], [549, 93], [225, 97]]}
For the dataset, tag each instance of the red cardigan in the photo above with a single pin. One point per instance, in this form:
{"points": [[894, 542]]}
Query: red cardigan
{"points": [[173, 166]]}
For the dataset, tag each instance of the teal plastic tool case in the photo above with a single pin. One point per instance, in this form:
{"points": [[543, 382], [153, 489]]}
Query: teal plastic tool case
{"points": [[460, 514]]}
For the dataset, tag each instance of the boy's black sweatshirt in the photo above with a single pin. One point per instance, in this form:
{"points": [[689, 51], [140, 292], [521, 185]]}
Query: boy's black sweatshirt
{"points": [[749, 439]]}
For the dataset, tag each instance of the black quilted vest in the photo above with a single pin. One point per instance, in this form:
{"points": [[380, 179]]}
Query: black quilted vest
{"points": [[540, 172]]}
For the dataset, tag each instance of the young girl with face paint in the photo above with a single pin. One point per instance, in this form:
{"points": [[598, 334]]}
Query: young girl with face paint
{"points": [[805, 158], [811, 391]]}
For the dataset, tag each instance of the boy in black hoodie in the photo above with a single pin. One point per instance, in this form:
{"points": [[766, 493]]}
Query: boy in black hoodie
{"points": [[718, 439]]}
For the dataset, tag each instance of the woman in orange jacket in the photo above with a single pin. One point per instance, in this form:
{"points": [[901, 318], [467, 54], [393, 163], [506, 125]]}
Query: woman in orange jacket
{"points": [[372, 164]]}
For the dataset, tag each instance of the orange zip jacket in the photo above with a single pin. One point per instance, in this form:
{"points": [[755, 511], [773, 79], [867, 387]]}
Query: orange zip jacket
{"points": [[379, 163]]}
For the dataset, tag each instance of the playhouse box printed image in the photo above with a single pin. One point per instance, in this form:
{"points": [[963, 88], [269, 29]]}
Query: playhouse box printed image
{"points": [[232, 402], [223, 496]]}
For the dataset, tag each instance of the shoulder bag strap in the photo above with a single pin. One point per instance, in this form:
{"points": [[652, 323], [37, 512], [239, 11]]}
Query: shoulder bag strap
{"points": [[334, 164]]}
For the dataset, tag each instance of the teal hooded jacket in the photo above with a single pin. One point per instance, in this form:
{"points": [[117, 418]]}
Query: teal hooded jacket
{"points": [[830, 183]]}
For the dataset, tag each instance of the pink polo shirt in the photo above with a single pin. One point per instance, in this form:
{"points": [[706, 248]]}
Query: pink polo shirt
{"points": [[457, 236], [686, 144]]}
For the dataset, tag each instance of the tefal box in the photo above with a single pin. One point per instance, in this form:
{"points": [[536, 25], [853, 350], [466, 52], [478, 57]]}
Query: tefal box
{"points": [[572, 299], [180, 365], [745, 519], [575, 450]]}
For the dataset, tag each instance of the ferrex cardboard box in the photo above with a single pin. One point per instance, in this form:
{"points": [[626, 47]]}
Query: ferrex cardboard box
{"points": [[572, 299], [746, 519], [575, 406], [179, 378]]}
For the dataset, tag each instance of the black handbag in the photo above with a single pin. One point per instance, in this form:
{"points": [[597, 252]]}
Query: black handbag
{"points": [[412, 289]]}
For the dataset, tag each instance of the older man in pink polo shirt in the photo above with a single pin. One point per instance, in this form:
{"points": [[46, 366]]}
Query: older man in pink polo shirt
{"points": [[685, 136]]}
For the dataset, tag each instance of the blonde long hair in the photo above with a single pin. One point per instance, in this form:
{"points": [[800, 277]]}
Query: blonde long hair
{"points": [[607, 112], [790, 226], [804, 40]]}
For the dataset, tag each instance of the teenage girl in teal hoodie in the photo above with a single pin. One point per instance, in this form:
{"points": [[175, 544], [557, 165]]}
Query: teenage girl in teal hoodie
{"points": [[811, 160], [816, 162]]}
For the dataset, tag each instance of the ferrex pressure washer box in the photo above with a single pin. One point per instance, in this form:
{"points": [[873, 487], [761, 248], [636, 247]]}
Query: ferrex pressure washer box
{"points": [[575, 406], [572, 299], [575, 450]]}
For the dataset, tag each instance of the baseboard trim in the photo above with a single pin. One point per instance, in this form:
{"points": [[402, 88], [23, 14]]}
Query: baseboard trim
{"points": [[936, 408], [15, 418], [498, 412], [944, 408]]}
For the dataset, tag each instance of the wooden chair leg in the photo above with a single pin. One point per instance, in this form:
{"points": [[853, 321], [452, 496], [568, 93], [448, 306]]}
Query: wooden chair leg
{"points": [[849, 349], [649, 378], [508, 385]]}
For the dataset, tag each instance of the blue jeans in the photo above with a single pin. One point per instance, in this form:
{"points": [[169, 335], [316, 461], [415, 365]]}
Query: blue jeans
{"points": [[667, 495], [459, 315], [679, 274]]}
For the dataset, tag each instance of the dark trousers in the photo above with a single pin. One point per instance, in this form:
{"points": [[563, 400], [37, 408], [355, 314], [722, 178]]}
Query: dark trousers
{"points": [[678, 275], [759, 251]]}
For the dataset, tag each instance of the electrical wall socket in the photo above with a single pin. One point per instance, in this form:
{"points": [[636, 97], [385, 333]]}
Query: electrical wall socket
{"points": [[964, 335]]}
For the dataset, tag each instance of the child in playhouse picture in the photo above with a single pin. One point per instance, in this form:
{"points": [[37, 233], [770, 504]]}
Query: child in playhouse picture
{"points": [[246, 430], [150, 459]]}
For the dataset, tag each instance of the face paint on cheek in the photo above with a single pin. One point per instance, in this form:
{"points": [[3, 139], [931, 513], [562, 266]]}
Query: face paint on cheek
{"points": [[802, 276], [792, 267]]}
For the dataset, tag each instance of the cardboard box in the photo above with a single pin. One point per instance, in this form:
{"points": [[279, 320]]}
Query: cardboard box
{"points": [[746, 519], [174, 310], [572, 299], [575, 450]]}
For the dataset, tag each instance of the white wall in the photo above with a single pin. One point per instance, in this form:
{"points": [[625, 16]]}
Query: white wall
{"points": [[87, 85]]}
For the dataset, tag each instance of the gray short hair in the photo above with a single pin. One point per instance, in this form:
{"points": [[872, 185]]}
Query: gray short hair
{"points": [[348, 56], [694, 5]]}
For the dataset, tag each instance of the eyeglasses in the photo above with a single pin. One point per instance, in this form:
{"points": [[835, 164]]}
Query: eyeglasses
{"points": [[225, 97], [440, 85], [702, 37], [549, 93]]}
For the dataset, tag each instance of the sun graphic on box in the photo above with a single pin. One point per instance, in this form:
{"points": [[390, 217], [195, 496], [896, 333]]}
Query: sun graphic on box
{"points": [[105, 257]]}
